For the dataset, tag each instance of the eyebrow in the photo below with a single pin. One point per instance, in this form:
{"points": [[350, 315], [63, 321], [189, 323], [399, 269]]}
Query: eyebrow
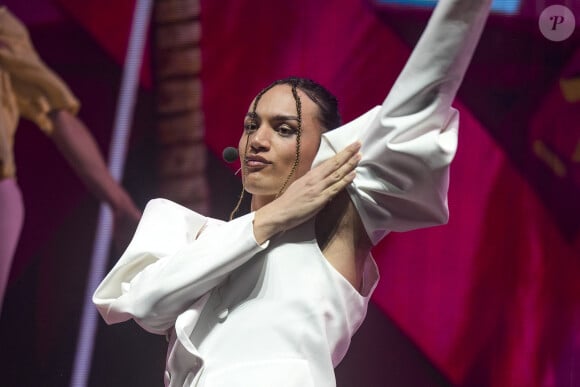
{"points": [[278, 117]]}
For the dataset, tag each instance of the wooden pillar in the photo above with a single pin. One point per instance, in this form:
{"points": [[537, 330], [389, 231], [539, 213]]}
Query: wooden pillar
{"points": [[176, 55]]}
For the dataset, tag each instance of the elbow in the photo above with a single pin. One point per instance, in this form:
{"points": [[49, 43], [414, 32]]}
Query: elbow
{"points": [[442, 217], [145, 306], [435, 214], [430, 213], [437, 210], [137, 307], [157, 311], [152, 320]]}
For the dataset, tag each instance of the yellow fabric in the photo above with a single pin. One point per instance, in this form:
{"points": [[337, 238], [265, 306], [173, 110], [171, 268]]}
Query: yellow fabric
{"points": [[28, 88]]}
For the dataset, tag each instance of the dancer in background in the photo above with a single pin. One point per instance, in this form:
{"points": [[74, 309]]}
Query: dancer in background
{"points": [[272, 298], [29, 89]]}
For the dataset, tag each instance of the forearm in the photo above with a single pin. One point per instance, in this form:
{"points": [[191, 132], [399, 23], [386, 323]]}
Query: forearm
{"points": [[440, 58], [268, 221], [81, 151], [168, 266], [409, 141]]}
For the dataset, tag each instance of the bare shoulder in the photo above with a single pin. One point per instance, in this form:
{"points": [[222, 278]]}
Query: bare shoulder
{"points": [[342, 238]]}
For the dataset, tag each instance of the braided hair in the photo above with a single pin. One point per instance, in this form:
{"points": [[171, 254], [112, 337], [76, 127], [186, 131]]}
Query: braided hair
{"points": [[328, 116]]}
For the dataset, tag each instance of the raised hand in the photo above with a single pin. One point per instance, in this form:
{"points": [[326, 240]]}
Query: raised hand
{"points": [[306, 196]]}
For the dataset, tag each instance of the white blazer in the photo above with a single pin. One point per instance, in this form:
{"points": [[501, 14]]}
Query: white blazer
{"points": [[278, 314]]}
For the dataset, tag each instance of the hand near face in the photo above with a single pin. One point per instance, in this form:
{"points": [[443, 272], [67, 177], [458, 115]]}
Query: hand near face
{"points": [[306, 196]]}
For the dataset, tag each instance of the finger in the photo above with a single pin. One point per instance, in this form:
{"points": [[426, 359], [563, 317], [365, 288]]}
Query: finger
{"points": [[333, 189], [343, 170], [345, 156], [337, 161], [338, 178]]}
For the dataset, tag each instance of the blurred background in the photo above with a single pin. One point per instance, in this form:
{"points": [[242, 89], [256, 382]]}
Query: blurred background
{"points": [[491, 299]]}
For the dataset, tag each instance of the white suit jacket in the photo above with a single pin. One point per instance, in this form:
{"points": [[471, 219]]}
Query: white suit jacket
{"points": [[278, 314]]}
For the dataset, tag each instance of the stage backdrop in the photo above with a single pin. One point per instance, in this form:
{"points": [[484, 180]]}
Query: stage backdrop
{"points": [[492, 298]]}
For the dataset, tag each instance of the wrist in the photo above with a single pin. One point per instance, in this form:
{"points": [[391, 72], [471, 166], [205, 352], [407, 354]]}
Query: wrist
{"points": [[267, 223], [122, 205]]}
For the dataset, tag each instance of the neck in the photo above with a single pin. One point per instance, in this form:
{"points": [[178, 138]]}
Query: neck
{"points": [[259, 201]]}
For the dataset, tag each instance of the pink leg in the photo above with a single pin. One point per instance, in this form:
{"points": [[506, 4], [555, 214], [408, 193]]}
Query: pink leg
{"points": [[11, 219]]}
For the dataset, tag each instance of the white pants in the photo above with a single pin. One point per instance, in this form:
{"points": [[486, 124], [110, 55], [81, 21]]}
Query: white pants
{"points": [[11, 219]]}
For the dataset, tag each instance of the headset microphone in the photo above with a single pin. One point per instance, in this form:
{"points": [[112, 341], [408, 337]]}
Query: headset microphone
{"points": [[230, 154]]}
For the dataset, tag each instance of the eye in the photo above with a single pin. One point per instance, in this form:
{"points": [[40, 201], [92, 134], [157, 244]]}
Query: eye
{"points": [[286, 130], [250, 126]]}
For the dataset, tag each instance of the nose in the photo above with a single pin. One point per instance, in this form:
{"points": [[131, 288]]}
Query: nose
{"points": [[260, 139]]}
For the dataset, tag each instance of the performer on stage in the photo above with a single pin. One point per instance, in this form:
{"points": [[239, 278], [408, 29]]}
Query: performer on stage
{"points": [[29, 89], [272, 298]]}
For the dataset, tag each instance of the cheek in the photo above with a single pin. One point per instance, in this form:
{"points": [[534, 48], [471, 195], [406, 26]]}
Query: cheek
{"points": [[308, 151], [288, 154], [307, 154], [242, 145]]}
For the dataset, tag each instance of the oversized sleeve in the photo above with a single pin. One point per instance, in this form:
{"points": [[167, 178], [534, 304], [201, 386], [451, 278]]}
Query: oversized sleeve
{"points": [[38, 89], [409, 141], [175, 257]]}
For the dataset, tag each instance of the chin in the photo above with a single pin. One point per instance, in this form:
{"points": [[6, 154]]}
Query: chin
{"points": [[262, 184], [260, 190]]}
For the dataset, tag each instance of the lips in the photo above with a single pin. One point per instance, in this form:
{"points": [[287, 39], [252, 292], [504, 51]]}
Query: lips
{"points": [[254, 161]]}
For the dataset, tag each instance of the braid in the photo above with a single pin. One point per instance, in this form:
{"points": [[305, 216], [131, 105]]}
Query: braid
{"points": [[298, 133], [241, 197], [244, 173]]}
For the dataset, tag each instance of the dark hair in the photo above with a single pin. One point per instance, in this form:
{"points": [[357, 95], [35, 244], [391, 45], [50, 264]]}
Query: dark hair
{"points": [[327, 103], [328, 116]]}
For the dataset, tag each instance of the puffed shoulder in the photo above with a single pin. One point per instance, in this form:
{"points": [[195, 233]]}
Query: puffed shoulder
{"points": [[165, 227]]}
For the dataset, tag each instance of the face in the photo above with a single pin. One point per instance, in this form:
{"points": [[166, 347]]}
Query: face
{"points": [[270, 137]]}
